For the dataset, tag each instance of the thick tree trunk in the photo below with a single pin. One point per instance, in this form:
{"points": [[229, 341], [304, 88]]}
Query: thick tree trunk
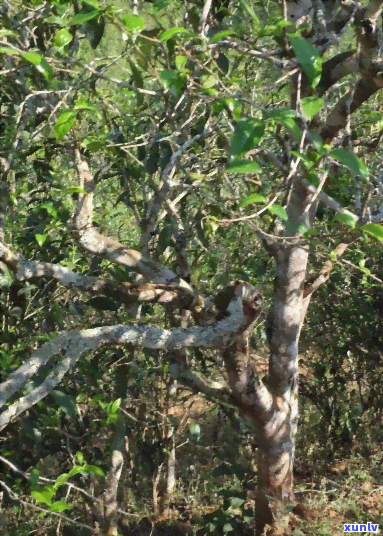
{"points": [[278, 436]]}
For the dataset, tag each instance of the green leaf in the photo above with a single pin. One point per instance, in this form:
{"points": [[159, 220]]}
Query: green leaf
{"points": [[374, 229], [311, 106], [243, 166], [66, 402], [80, 457], [171, 79], [63, 37], [307, 162], [161, 4], [40, 63], [8, 50], [308, 57], [247, 7], [285, 117], [180, 61], [291, 125], [353, 162], [228, 527], [347, 219], [280, 113], [133, 23], [252, 198], [76, 470], [81, 18], [93, 146], [94, 470], [208, 81], [64, 123], [34, 477], [76, 190], [279, 211], [40, 239], [92, 3], [171, 32], [221, 35], [84, 105], [59, 506], [43, 496], [50, 209], [236, 502], [247, 135], [113, 406], [61, 479]]}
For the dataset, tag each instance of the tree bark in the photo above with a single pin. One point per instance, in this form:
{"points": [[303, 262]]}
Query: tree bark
{"points": [[278, 436]]}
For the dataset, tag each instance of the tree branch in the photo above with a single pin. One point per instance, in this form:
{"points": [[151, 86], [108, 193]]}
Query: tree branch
{"points": [[127, 293], [98, 244], [72, 344]]}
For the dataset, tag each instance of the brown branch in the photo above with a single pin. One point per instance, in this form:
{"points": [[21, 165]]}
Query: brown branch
{"points": [[315, 282], [337, 68], [103, 246], [366, 87], [127, 293]]}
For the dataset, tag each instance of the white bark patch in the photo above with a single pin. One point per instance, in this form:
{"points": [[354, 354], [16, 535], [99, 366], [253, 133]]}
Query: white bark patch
{"points": [[72, 344]]}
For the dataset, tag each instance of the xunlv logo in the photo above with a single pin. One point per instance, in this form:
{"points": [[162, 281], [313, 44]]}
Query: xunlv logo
{"points": [[365, 527]]}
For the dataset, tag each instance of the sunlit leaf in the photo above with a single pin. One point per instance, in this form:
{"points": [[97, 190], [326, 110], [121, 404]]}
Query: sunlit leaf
{"points": [[63, 37], [308, 57], [94, 470], [374, 229], [6, 33], [76, 190], [221, 35], [353, 162], [59, 506], [243, 166], [208, 81], [64, 123], [81, 18], [40, 63], [8, 50], [347, 219], [76, 470], [180, 61], [252, 198], [311, 106], [279, 211], [43, 496], [61, 479], [113, 406], [40, 239], [171, 32], [133, 23]]}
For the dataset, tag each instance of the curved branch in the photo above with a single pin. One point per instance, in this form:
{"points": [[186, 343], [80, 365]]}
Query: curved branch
{"points": [[127, 293], [103, 246], [72, 344]]}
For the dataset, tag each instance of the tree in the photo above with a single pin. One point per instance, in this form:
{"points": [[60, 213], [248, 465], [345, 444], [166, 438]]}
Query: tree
{"points": [[201, 131]]}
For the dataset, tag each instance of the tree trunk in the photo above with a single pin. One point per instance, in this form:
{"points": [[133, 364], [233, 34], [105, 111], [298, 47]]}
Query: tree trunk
{"points": [[278, 436]]}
